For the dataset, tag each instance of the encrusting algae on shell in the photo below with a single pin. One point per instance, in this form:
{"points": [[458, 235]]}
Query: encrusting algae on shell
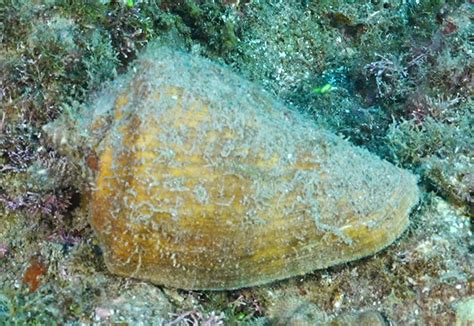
{"points": [[204, 181]]}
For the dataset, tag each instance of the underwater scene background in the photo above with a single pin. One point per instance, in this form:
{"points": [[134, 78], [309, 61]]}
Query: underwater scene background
{"points": [[393, 77]]}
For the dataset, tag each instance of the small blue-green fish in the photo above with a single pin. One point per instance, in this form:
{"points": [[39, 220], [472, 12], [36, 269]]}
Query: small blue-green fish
{"points": [[323, 89]]}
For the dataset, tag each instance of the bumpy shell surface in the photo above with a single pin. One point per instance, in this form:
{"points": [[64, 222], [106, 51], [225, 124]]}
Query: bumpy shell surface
{"points": [[206, 182]]}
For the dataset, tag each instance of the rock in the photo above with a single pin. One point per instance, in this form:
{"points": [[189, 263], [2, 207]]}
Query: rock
{"points": [[465, 312], [292, 311], [366, 318]]}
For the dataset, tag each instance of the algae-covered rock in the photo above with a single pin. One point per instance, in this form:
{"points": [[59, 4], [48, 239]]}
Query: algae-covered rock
{"points": [[465, 312], [294, 311], [204, 181], [366, 318]]}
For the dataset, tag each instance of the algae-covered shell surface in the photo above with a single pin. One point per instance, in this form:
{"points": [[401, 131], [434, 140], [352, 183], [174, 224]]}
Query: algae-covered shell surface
{"points": [[204, 181]]}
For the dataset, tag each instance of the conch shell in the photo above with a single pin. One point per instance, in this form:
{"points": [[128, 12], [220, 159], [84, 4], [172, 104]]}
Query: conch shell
{"points": [[204, 181]]}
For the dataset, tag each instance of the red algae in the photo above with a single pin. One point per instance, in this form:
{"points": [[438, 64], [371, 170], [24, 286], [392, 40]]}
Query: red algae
{"points": [[34, 274]]}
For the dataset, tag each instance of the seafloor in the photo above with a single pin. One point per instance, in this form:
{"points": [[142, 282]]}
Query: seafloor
{"points": [[392, 76]]}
